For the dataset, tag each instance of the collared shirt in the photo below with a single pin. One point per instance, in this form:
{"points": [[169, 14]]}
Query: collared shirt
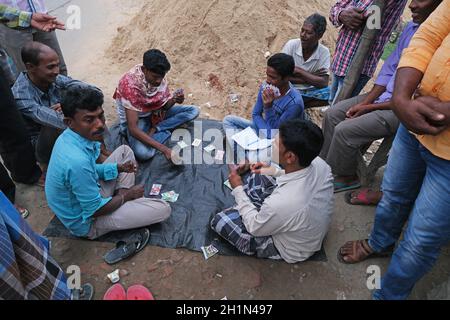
{"points": [[135, 93], [27, 271], [348, 40], [14, 18], [429, 52], [320, 59], [26, 5], [290, 106], [73, 179], [298, 213], [387, 74], [35, 105]]}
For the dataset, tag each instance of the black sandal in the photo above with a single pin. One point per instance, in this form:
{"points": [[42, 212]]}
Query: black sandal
{"points": [[129, 247]]}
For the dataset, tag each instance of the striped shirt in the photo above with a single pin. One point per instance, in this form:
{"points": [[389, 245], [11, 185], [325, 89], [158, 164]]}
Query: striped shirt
{"points": [[348, 40], [35, 105]]}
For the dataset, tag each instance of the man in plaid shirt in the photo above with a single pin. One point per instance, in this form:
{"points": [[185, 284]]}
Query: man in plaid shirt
{"points": [[351, 16]]}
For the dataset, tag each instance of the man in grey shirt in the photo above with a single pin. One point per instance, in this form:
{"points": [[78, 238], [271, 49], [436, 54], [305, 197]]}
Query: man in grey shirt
{"points": [[37, 94], [288, 217]]}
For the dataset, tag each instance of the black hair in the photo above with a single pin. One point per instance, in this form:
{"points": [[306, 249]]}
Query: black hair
{"points": [[80, 97], [30, 53], [283, 64], [319, 23], [157, 62], [303, 138]]}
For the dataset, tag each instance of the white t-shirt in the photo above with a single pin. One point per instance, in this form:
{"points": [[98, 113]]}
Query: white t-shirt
{"points": [[320, 59]]}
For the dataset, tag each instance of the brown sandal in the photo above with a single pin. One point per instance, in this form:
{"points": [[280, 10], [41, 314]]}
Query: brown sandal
{"points": [[360, 251]]}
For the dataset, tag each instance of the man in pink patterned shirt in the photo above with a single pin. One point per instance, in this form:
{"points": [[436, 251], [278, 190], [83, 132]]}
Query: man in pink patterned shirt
{"points": [[352, 15]]}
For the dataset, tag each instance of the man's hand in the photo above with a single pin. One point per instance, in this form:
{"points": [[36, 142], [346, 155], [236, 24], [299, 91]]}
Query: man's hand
{"points": [[352, 18], [359, 110], [321, 73], [179, 97], [235, 178], [268, 97], [57, 108], [134, 193], [46, 23], [441, 108], [422, 115], [129, 167], [258, 167]]}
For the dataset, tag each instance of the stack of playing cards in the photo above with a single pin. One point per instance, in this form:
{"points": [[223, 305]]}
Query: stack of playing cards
{"points": [[275, 90], [171, 196], [197, 143], [156, 190], [210, 148], [209, 251], [178, 92]]}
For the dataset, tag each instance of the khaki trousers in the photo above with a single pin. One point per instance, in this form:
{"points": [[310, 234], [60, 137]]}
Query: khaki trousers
{"points": [[133, 214]]}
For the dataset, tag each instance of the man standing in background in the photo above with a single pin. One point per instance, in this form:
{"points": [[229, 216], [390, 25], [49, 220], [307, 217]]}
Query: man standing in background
{"points": [[13, 40], [351, 16]]}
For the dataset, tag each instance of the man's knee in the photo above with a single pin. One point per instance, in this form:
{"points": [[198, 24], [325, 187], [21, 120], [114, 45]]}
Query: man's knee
{"points": [[166, 211], [143, 153], [127, 152]]}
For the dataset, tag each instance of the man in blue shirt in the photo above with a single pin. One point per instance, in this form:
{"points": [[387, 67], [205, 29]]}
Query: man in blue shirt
{"points": [[271, 110], [92, 199], [357, 122]]}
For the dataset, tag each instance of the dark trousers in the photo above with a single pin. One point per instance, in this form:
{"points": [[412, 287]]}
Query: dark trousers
{"points": [[15, 146], [7, 186]]}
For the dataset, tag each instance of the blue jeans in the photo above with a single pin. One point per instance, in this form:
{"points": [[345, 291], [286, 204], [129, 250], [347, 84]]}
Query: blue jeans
{"points": [[338, 82], [175, 117], [416, 187]]}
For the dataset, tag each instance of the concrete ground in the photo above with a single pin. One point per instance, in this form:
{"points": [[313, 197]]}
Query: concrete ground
{"points": [[182, 274]]}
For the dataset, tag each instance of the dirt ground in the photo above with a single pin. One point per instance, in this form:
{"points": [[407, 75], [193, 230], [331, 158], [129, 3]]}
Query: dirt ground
{"points": [[103, 49]]}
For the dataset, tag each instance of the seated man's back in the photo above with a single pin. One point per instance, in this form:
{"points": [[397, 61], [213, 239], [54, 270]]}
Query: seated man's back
{"points": [[302, 202]]}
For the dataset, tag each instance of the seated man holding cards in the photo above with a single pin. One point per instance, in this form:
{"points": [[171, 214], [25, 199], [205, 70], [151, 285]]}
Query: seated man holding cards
{"points": [[146, 108], [277, 101], [89, 198], [282, 214]]}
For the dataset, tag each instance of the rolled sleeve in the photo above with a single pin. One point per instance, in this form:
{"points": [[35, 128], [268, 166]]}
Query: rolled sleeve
{"points": [[107, 171]]}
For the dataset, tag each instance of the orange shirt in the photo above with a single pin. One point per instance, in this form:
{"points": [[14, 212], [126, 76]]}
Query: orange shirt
{"points": [[429, 52]]}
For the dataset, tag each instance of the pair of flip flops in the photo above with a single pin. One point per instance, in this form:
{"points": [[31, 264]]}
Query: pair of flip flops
{"points": [[132, 245], [138, 292]]}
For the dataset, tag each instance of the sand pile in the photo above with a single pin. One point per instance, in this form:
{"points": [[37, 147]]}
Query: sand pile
{"points": [[217, 48]]}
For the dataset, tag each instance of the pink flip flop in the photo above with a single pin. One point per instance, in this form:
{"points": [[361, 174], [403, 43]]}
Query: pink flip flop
{"points": [[116, 292], [139, 292]]}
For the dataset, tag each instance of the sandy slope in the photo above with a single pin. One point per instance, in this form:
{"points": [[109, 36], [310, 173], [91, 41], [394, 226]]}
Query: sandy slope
{"points": [[216, 47]]}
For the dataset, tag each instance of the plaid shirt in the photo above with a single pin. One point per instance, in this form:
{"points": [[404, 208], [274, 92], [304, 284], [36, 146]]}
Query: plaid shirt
{"points": [[348, 40], [14, 18], [35, 105], [26, 269]]}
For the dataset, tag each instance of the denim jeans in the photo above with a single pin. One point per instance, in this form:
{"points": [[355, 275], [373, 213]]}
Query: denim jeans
{"points": [[175, 117], [338, 82], [416, 189]]}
